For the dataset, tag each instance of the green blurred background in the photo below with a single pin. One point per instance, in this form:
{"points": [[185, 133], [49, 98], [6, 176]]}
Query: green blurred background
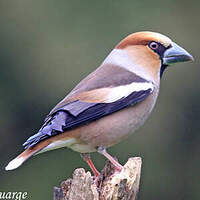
{"points": [[47, 47]]}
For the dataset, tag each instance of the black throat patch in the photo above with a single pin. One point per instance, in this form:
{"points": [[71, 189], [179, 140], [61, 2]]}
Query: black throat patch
{"points": [[162, 69]]}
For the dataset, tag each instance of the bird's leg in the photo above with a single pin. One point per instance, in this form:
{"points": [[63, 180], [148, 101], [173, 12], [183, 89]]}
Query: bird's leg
{"points": [[87, 159], [102, 150]]}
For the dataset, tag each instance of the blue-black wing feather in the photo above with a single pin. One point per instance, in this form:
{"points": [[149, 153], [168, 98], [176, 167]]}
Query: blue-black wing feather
{"points": [[78, 113]]}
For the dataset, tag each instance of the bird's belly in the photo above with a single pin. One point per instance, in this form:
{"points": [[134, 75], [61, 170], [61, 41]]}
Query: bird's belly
{"points": [[106, 131], [117, 126]]}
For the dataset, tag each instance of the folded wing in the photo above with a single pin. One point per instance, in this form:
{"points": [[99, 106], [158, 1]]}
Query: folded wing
{"points": [[90, 104]]}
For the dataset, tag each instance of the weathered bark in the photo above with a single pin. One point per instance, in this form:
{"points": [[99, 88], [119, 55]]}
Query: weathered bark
{"points": [[111, 185]]}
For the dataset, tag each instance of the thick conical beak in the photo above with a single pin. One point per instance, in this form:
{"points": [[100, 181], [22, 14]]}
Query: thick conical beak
{"points": [[176, 54]]}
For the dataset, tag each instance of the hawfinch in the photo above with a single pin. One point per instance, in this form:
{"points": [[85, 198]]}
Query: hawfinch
{"points": [[110, 103]]}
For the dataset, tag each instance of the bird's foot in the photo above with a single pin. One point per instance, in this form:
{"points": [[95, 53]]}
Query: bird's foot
{"points": [[118, 167], [87, 159]]}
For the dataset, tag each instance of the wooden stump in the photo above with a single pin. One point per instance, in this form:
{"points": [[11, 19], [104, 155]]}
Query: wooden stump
{"points": [[111, 185]]}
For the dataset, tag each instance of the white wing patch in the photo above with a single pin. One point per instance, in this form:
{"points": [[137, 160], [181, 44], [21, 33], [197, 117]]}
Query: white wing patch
{"points": [[125, 90]]}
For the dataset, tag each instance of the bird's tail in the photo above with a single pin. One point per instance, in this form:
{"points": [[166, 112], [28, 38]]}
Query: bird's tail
{"points": [[20, 159]]}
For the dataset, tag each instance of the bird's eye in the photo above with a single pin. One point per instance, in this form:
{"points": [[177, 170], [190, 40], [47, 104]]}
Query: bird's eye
{"points": [[153, 45]]}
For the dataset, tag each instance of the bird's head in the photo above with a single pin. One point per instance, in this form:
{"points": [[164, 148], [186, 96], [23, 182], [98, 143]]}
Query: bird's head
{"points": [[153, 51]]}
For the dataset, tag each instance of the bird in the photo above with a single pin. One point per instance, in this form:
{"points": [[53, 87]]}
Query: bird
{"points": [[111, 103]]}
